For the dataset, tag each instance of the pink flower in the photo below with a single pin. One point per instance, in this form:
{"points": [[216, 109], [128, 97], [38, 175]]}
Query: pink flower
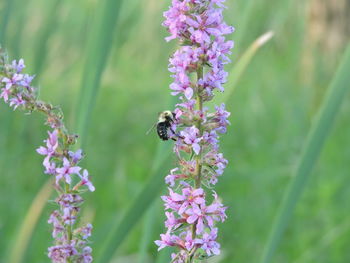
{"points": [[208, 242], [15, 80], [191, 197], [70, 243], [17, 101], [85, 181], [191, 138], [170, 178], [51, 144], [61, 253], [18, 66], [86, 255], [66, 171], [76, 156], [167, 240], [5, 93], [197, 68], [182, 88], [86, 231], [202, 27], [196, 215]]}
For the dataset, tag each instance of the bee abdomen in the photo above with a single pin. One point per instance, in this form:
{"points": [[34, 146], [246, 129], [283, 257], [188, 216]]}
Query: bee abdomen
{"points": [[162, 130]]}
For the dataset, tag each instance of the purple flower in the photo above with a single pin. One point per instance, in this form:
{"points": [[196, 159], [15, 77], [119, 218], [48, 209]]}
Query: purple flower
{"points": [[176, 19], [170, 179], [26, 81], [181, 257], [197, 69], [60, 253], [219, 3], [191, 197], [172, 222], [182, 88], [66, 171], [217, 210], [208, 242], [204, 27], [86, 231], [173, 200], [68, 217], [86, 256], [17, 101], [50, 167], [5, 93], [58, 228], [222, 114], [49, 150], [15, 80], [76, 156], [70, 244], [189, 242], [196, 214], [85, 180], [18, 67], [191, 138], [167, 240]]}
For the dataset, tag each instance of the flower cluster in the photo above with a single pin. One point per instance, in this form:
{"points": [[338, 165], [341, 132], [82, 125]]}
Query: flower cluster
{"points": [[197, 68], [71, 243]]}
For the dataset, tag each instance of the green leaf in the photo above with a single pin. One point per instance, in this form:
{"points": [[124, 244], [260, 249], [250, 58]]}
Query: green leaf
{"points": [[99, 47], [5, 17], [164, 255], [20, 244], [240, 67], [46, 31], [148, 226], [141, 203], [138, 207], [314, 144]]}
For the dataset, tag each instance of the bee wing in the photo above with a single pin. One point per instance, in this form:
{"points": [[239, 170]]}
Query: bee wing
{"points": [[153, 126]]}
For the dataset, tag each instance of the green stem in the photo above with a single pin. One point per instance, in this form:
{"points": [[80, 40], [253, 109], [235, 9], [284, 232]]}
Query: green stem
{"points": [[198, 181], [69, 227], [199, 127]]}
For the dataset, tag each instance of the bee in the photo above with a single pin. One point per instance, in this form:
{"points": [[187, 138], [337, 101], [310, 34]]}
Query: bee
{"points": [[165, 120]]}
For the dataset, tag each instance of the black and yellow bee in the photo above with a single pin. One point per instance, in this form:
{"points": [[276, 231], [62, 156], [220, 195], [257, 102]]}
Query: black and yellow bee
{"points": [[165, 120]]}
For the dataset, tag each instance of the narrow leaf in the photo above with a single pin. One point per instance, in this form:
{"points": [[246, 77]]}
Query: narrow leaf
{"points": [[47, 29], [99, 46], [140, 204], [138, 207], [5, 17], [314, 144], [240, 67], [20, 245], [146, 241]]}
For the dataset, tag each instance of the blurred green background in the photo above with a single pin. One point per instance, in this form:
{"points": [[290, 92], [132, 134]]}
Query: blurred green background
{"points": [[68, 43]]}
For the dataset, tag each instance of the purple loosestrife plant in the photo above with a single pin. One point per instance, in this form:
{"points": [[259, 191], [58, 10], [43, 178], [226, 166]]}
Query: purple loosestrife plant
{"points": [[70, 241], [198, 70]]}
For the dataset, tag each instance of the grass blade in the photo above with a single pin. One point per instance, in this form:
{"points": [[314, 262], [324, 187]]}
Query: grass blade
{"points": [[164, 255], [240, 67], [46, 31], [140, 204], [313, 147], [243, 63], [99, 46], [19, 247], [5, 14], [148, 226]]}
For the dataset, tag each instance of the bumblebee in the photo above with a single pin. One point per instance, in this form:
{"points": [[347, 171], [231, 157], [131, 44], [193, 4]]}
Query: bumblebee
{"points": [[163, 126], [165, 120]]}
